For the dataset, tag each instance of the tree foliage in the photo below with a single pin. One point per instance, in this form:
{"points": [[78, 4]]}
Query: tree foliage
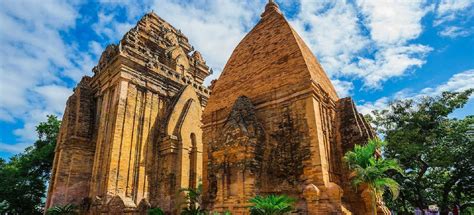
{"points": [[435, 151], [271, 205], [371, 171], [24, 177]]}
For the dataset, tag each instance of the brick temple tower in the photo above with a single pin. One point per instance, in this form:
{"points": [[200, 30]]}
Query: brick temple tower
{"points": [[275, 124], [135, 132], [130, 136]]}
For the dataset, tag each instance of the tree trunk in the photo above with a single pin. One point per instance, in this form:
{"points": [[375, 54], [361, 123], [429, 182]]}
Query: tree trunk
{"points": [[420, 200], [444, 206]]}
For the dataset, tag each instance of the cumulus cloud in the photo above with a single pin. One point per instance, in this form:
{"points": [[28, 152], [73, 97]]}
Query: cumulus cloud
{"points": [[343, 88], [13, 148], [392, 27], [388, 62], [36, 63], [213, 27], [368, 40], [457, 83], [332, 30], [449, 10], [449, 13], [454, 31], [393, 23], [379, 104], [110, 29], [55, 96]]}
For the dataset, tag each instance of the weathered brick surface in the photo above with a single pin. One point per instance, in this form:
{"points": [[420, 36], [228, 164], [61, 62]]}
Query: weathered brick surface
{"points": [[132, 135], [274, 124], [114, 153]]}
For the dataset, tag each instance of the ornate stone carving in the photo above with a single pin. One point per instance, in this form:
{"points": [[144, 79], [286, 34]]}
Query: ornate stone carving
{"points": [[289, 152], [112, 142], [198, 57], [116, 205], [243, 129], [110, 52], [239, 147]]}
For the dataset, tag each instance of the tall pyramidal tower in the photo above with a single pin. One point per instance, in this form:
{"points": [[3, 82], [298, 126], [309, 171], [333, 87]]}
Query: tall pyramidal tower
{"points": [[275, 124]]}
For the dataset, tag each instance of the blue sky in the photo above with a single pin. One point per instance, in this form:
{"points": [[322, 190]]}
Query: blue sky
{"points": [[374, 51]]}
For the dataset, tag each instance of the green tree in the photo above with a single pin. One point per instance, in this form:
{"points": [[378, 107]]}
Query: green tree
{"points": [[371, 171], [436, 152], [271, 205], [24, 177]]}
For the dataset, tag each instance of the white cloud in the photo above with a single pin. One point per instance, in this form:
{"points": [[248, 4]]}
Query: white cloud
{"points": [[379, 104], [55, 96], [368, 40], [332, 30], [449, 6], [392, 26], [36, 63], [448, 10], [13, 148], [343, 88], [393, 22], [110, 29], [458, 82], [454, 31], [213, 27], [389, 62], [96, 48], [27, 133], [450, 14]]}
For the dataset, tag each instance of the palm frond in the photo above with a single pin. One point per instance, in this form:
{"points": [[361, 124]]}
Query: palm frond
{"points": [[62, 209], [389, 184], [272, 204], [371, 171]]}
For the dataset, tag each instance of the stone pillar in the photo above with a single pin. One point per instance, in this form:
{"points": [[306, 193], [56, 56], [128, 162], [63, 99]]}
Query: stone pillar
{"points": [[74, 153]]}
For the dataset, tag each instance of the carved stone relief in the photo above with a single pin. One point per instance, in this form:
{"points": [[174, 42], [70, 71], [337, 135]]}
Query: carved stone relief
{"points": [[286, 158]]}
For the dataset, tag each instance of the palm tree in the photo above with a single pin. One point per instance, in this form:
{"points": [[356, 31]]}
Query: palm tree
{"points": [[62, 210], [271, 205], [370, 170]]}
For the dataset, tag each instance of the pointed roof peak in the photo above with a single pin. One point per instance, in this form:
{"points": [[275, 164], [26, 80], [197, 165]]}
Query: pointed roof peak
{"points": [[271, 6], [271, 59]]}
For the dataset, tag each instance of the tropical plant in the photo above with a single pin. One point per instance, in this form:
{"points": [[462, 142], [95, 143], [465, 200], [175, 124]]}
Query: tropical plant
{"points": [[370, 171], [193, 201], [271, 205], [217, 213], [155, 211], [435, 149], [62, 210]]}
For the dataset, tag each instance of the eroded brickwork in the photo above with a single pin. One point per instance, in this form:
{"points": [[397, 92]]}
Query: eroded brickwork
{"points": [[275, 125], [131, 135]]}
